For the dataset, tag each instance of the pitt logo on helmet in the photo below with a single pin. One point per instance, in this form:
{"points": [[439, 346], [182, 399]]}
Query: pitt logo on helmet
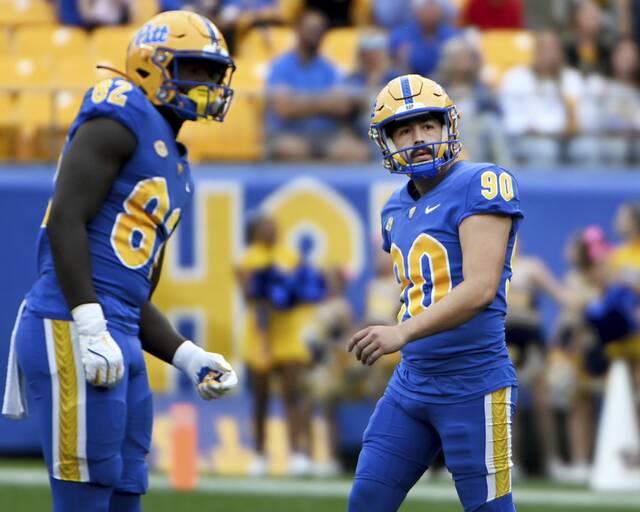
{"points": [[150, 34], [406, 97], [172, 39]]}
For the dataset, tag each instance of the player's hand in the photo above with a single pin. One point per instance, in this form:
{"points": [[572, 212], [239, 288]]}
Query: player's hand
{"points": [[101, 356], [372, 342], [210, 373]]}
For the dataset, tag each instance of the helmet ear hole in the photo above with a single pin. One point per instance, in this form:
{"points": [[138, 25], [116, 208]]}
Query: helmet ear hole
{"points": [[142, 72]]}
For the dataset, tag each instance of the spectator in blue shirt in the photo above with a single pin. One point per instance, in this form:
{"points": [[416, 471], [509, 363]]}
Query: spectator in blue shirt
{"points": [[374, 72], [304, 104], [391, 14], [90, 14], [235, 17], [416, 46]]}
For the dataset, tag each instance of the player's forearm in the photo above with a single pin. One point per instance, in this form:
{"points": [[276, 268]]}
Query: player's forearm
{"points": [[157, 335], [459, 306], [72, 259]]}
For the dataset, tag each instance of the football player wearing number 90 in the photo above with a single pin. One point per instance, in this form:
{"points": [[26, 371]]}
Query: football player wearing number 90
{"points": [[451, 232], [122, 181]]}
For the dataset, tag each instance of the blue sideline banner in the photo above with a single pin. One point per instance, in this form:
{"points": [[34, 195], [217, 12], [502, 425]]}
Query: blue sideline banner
{"points": [[338, 207]]}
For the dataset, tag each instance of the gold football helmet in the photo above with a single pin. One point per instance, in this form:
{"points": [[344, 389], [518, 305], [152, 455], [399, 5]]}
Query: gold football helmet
{"points": [[410, 96], [153, 63]]}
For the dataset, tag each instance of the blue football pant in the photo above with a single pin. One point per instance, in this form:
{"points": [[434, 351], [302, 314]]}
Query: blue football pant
{"points": [[404, 436], [93, 436]]}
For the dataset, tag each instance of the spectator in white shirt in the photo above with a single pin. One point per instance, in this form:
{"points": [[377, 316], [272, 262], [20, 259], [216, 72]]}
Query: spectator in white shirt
{"points": [[609, 112], [105, 12], [538, 104], [458, 71]]}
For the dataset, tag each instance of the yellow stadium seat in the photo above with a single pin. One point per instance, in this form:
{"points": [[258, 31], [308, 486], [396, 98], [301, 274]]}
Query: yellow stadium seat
{"points": [[250, 75], [290, 9], [240, 137], [265, 43], [144, 10], [7, 125], [66, 105], [109, 45], [5, 41], [77, 74], [20, 73], [340, 45], [7, 114], [21, 12], [34, 110], [53, 42], [504, 49]]}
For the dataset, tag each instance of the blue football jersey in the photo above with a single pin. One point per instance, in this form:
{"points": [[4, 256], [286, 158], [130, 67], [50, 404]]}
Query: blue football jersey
{"points": [[137, 217], [422, 237]]}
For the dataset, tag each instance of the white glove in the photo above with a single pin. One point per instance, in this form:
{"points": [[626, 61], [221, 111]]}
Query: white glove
{"points": [[210, 373], [101, 355]]}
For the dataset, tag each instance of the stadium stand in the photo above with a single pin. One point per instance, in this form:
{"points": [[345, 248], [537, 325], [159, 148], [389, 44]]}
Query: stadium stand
{"points": [[49, 41], [265, 43], [341, 46], [109, 45], [21, 12], [242, 135], [504, 49]]}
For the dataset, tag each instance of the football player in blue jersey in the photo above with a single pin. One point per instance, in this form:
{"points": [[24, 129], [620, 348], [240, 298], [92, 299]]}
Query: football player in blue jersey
{"points": [[78, 343], [451, 233]]}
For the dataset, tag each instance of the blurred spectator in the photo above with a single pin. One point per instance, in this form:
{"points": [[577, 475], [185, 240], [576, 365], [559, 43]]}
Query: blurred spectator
{"points": [[488, 14], [538, 103], [326, 337], [235, 17], [534, 435], [304, 105], [625, 260], [480, 125], [416, 46], [374, 72], [634, 19], [338, 12], [274, 343], [68, 13], [609, 112], [391, 14], [577, 365], [383, 305], [625, 266], [93, 13], [382, 292], [589, 43]]}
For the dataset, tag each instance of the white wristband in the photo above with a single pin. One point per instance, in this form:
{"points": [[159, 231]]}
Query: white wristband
{"points": [[89, 319], [185, 354]]}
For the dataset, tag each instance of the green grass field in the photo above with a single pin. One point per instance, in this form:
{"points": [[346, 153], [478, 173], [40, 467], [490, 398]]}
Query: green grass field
{"points": [[23, 499], [23, 488]]}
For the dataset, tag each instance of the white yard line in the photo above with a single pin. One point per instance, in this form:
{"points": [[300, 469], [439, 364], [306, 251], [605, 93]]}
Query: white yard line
{"points": [[429, 491]]}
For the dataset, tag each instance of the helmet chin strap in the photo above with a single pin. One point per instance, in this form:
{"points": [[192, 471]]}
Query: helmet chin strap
{"points": [[114, 70]]}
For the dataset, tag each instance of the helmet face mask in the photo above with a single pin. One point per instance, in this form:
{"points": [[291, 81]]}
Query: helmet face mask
{"points": [[180, 39], [194, 100], [406, 98]]}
